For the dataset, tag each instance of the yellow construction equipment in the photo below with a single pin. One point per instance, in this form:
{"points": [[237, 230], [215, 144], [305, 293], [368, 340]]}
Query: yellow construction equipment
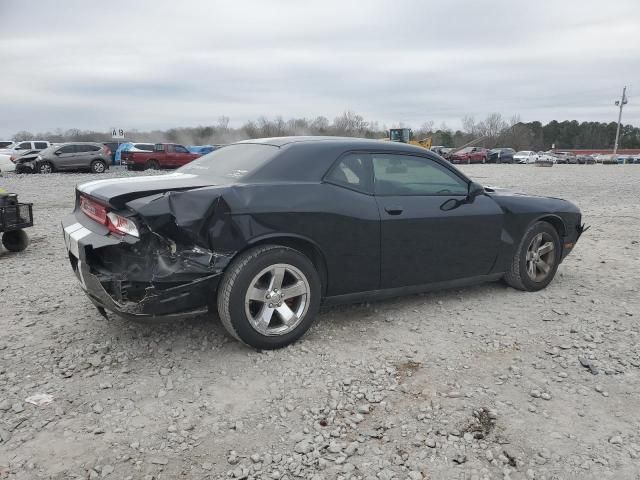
{"points": [[405, 135]]}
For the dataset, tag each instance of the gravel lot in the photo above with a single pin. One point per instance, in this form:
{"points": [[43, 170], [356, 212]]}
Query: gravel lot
{"points": [[484, 382]]}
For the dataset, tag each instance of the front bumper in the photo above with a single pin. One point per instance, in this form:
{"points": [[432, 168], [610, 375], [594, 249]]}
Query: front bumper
{"points": [[569, 242], [108, 290]]}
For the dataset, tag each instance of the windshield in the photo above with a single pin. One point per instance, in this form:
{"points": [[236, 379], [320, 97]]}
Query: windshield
{"points": [[231, 163], [524, 152]]}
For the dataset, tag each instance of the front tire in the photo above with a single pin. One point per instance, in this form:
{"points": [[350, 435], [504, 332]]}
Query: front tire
{"points": [[269, 296], [98, 166], [45, 167], [536, 261]]}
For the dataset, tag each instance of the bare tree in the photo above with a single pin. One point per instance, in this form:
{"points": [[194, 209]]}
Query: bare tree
{"points": [[350, 124], [22, 136]]}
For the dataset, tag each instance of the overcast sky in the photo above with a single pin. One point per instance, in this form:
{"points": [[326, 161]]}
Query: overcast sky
{"points": [[160, 64]]}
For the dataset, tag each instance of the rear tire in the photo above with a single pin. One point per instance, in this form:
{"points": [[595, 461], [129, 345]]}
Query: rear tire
{"points": [[536, 260], [152, 165], [15, 240], [269, 296], [98, 166]]}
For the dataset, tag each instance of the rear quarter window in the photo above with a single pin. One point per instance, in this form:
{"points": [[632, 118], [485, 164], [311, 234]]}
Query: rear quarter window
{"points": [[231, 163]]}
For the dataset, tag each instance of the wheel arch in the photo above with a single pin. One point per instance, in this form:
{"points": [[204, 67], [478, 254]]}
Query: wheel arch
{"points": [[304, 245], [556, 222]]}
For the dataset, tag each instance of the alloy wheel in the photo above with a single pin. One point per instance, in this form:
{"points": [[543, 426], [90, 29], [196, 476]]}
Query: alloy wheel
{"points": [[540, 257], [45, 168], [277, 299]]}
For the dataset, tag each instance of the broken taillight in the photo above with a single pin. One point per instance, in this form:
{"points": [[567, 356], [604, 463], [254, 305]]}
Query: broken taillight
{"points": [[101, 214], [120, 224]]}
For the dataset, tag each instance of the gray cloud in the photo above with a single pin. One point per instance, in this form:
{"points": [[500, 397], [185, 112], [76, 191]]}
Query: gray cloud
{"points": [[152, 64]]}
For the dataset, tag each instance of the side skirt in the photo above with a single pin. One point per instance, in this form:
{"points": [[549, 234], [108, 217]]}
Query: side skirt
{"points": [[375, 295]]}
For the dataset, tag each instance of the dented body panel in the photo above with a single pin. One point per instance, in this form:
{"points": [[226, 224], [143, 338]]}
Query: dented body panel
{"points": [[192, 225]]}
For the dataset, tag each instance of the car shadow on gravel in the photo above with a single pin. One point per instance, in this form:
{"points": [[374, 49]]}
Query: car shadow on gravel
{"points": [[350, 319]]}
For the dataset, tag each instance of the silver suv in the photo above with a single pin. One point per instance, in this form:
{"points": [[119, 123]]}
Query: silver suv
{"points": [[94, 157]]}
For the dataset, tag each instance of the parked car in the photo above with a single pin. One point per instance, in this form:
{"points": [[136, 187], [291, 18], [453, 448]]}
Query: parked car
{"points": [[525, 156], [6, 165], [585, 159], [440, 150], [164, 155], [501, 155], [470, 155], [201, 149], [565, 157], [607, 159], [25, 161], [546, 157], [18, 147], [258, 228], [625, 159], [94, 157]]}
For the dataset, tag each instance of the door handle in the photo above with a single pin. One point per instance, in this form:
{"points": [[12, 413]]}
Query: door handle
{"points": [[393, 210]]}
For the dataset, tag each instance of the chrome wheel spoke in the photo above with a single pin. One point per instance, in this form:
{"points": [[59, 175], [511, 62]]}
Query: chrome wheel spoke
{"points": [[531, 268], [546, 248], [294, 290], [286, 314], [264, 317], [543, 266], [537, 240], [277, 276], [256, 294]]}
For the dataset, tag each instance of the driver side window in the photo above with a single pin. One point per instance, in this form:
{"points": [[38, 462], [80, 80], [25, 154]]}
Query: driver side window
{"points": [[410, 175]]}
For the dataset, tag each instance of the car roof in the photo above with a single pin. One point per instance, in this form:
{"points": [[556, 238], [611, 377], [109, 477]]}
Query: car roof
{"points": [[347, 142], [308, 158]]}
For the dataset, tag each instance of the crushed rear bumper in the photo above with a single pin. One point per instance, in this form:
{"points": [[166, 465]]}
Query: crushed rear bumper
{"points": [[165, 286]]}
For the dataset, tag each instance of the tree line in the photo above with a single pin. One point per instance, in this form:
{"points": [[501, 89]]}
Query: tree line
{"points": [[496, 130]]}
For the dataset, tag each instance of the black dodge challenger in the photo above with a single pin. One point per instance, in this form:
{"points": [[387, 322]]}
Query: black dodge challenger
{"points": [[268, 230]]}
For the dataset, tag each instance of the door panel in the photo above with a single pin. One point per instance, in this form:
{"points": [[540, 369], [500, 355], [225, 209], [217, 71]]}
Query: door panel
{"points": [[66, 159], [421, 240], [421, 243]]}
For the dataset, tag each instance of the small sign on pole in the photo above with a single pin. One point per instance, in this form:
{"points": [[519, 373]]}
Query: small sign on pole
{"points": [[117, 132]]}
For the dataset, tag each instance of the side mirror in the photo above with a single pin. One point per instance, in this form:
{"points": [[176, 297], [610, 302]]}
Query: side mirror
{"points": [[475, 189], [58, 152]]}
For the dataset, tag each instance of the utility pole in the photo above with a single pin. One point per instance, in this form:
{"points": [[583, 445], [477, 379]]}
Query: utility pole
{"points": [[620, 103]]}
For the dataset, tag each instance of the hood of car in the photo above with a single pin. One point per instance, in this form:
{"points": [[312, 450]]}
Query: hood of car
{"points": [[117, 191]]}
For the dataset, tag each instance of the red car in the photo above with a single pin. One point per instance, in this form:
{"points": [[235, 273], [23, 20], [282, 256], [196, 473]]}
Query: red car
{"points": [[164, 155], [470, 155]]}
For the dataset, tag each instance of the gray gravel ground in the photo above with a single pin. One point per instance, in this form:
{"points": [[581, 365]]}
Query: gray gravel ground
{"points": [[484, 382]]}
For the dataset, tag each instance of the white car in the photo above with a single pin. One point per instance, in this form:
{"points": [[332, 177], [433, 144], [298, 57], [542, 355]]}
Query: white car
{"points": [[525, 156], [6, 165], [546, 157]]}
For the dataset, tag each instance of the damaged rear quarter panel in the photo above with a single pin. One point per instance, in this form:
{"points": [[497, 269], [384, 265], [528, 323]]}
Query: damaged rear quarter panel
{"points": [[229, 219]]}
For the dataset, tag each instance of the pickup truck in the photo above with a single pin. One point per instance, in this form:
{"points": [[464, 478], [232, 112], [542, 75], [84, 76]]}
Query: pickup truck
{"points": [[164, 155]]}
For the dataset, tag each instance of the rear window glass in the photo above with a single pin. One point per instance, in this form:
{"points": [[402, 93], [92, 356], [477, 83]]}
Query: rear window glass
{"points": [[41, 145], [231, 163], [144, 146]]}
